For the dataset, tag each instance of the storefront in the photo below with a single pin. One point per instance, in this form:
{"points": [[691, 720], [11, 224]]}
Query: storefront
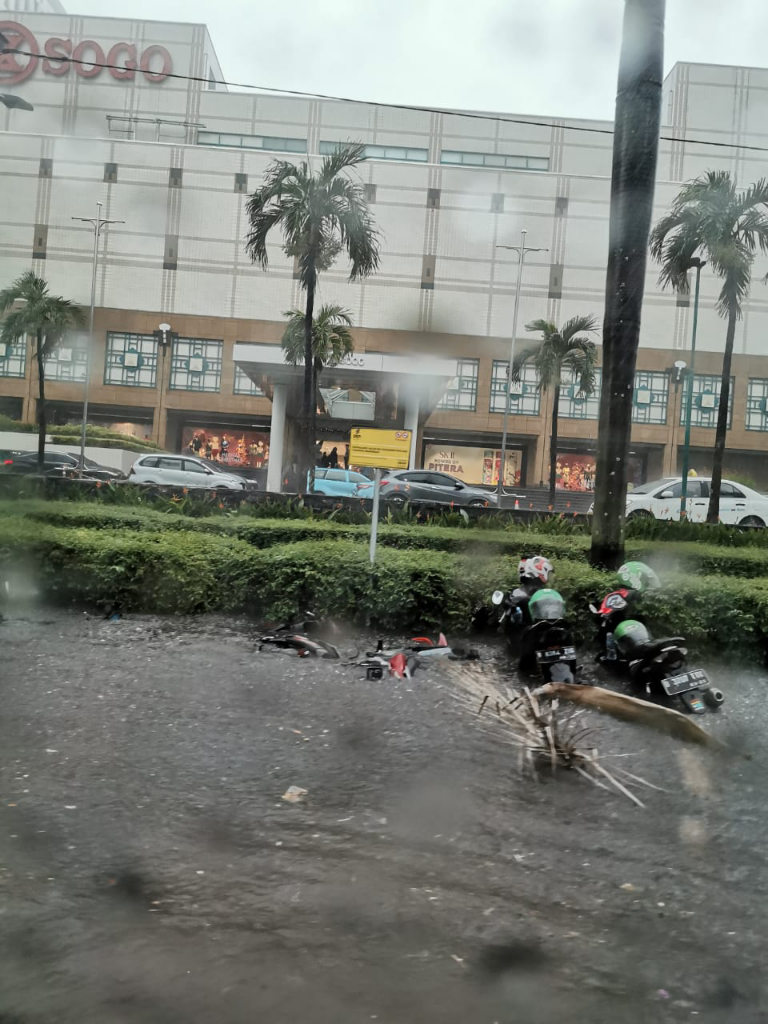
{"points": [[233, 446], [474, 465], [576, 470]]}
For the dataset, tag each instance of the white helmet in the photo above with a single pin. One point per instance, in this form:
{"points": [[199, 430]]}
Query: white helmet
{"points": [[535, 567]]}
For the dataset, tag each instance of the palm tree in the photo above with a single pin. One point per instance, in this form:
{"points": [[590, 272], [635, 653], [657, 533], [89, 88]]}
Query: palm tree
{"points": [[560, 350], [45, 317], [332, 341], [710, 216], [319, 214]]}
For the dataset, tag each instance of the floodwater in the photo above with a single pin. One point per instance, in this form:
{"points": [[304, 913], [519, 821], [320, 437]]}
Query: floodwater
{"points": [[151, 872]]}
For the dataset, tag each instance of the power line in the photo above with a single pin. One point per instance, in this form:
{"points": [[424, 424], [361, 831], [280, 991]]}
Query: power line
{"points": [[496, 118]]}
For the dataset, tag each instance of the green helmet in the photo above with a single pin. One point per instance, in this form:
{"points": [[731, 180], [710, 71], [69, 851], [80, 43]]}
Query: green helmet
{"points": [[546, 605], [630, 634], [638, 576]]}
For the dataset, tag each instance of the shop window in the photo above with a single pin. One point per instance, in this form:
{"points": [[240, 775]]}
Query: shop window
{"points": [[757, 404], [650, 396], [130, 359], [195, 365], [462, 391], [524, 399], [244, 385], [68, 361], [706, 401], [574, 404], [13, 359]]}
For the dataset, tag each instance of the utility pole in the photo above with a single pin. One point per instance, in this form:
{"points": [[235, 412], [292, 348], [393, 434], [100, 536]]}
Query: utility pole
{"points": [[97, 223], [522, 250], [699, 265]]}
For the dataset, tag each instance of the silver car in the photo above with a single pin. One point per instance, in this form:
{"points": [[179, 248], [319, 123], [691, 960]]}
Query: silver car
{"points": [[181, 471]]}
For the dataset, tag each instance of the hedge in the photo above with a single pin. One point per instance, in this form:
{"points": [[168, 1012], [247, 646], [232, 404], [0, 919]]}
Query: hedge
{"points": [[696, 558], [193, 571], [70, 433]]}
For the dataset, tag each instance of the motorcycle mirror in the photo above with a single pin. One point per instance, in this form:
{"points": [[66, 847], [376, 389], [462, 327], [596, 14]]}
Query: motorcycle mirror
{"points": [[593, 609], [497, 597]]}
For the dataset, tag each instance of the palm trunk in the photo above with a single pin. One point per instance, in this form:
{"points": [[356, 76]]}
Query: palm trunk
{"points": [[553, 447], [635, 152], [308, 453], [713, 512], [41, 416]]}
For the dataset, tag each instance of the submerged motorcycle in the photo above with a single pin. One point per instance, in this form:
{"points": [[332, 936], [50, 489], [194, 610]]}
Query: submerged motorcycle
{"points": [[656, 667], [538, 631]]}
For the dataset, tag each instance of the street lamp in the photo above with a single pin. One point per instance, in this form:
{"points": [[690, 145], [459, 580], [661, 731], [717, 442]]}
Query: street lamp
{"points": [[522, 250], [14, 102], [97, 223], [698, 265]]}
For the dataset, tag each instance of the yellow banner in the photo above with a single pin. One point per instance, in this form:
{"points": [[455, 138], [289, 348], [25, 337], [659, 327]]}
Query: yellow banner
{"points": [[379, 449]]}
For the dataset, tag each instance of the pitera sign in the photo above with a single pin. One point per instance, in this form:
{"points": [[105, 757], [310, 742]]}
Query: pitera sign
{"points": [[154, 62]]}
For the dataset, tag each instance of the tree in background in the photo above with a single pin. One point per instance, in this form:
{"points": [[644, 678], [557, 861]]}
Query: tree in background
{"points": [[331, 342], [711, 218], [319, 215], [44, 317], [559, 350], [633, 177]]}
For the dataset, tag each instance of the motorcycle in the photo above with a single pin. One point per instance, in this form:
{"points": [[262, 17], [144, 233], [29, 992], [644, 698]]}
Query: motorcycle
{"points": [[657, 667], [538, 630]]}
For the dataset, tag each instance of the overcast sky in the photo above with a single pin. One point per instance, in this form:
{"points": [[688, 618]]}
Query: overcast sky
{"points": [[550, 57]]}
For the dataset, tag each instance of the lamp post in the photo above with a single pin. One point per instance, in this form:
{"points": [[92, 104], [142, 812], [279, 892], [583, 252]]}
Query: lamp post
{"points": [[97, 223], [699, 266], [522, 250]]}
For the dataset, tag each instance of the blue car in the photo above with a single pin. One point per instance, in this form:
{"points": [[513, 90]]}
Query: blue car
{"points": [[342, 483]]}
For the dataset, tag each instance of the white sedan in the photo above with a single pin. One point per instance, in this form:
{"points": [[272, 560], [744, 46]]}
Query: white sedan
{"points": [[739, 505]]}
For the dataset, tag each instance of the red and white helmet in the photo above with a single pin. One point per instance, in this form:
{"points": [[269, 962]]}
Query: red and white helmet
{"points": [[536, 567]]}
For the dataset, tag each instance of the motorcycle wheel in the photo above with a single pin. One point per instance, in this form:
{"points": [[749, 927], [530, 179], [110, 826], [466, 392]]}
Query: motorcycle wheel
{"points": [[561, 672]]}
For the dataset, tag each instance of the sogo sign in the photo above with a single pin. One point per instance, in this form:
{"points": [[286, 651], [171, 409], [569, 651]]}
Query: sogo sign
{"points": [[154, 62]]}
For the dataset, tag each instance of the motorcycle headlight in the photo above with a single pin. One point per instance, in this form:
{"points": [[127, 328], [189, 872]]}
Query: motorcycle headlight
{"points": [[497, 596]]}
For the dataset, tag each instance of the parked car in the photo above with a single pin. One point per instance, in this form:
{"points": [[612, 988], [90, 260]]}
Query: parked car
{"points": [[182, 471], [57, 464], [428, 485], [342, 483], [739, 505], [247, 474]]}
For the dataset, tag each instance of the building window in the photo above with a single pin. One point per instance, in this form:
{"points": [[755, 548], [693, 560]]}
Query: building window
{"points": [[574, 404], [369, 192], [706, 400], [244, 385], [462, 391], [757, 404], [241, 182], [131, 359], [497, 202], [382, 152], [525, 397], [196, 365], [280, 145], [13, 359], [649, 398], [110, 173], [69, 360], [495, 161], [46, 167], [175, 177]]}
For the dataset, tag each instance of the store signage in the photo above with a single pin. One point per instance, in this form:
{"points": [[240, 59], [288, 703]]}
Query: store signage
{"points": [[154, 62], [379, 449]]}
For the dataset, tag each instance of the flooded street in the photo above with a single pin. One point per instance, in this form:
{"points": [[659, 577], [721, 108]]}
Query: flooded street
{"points": [[150, 870]]}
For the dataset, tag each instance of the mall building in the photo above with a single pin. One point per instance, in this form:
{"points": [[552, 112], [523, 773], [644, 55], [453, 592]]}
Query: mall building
{"points": [[173, 162]]}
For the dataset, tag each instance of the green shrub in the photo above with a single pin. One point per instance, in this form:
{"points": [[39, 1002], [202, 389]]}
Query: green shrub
{"points": [[194, 570], [71, 433]]}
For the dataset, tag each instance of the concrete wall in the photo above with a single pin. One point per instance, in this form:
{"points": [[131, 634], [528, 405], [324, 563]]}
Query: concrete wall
{"points": [[115, 458]]}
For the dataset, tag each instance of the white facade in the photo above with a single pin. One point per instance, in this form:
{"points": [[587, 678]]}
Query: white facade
{"points": [[183, 197]]}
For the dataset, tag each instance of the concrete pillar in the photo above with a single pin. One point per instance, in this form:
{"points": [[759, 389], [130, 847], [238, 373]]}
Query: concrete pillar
{"points": [[277, 438], [412, 423]]}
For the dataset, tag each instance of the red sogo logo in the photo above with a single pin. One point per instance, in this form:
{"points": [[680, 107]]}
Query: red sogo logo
{"points": [[155, 63]]}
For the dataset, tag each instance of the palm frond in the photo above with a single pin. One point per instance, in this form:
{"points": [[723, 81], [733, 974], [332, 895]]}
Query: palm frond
{"points": [[343, 157], [331, 338], [578, 325]]}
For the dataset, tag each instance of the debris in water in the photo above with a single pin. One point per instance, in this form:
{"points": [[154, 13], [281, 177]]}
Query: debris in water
{"points": [[294, 794]]}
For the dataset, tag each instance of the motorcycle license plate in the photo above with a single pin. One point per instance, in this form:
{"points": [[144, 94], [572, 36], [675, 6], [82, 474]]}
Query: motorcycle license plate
{"points": [[684, 681], [556, 654]]}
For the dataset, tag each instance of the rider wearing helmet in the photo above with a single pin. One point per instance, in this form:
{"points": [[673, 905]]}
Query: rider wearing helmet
{"points": [[534, 572], [634, 579], [638, 576]]}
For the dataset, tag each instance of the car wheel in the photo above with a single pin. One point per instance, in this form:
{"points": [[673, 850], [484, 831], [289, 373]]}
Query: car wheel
{"points": [[752, 521], [640, 513], [478, 503], [396, 499]]}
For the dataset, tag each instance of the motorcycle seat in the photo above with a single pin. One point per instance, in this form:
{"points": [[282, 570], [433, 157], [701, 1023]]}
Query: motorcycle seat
{"points": [[651, 648]]}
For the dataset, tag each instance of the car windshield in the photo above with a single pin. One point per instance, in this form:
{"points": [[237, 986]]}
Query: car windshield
{"points": [[650, 486]]}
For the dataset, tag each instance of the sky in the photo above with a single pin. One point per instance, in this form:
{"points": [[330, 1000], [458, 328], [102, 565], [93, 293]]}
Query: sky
{"points": [[549, 57]]}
